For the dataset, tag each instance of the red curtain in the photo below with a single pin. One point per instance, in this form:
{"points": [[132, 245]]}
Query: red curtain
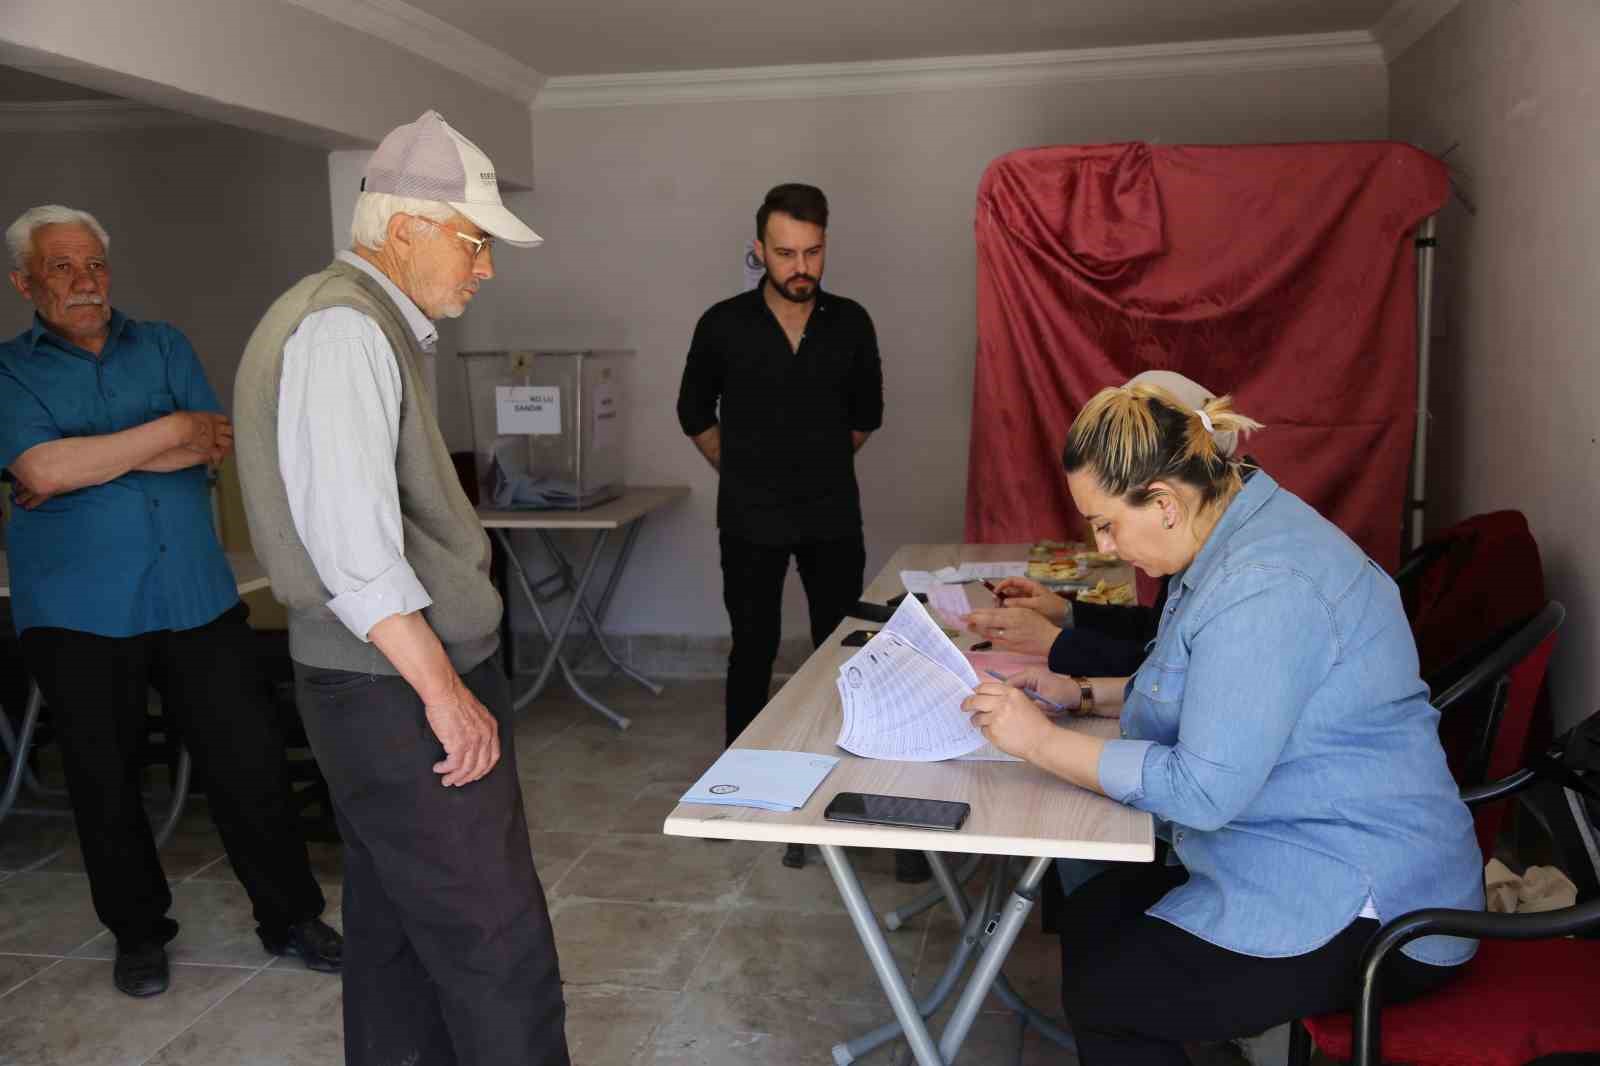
{"points": [[1282, 274]]}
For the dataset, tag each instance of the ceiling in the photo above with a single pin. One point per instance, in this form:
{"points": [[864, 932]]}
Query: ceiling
{"points": [[565, 37]]}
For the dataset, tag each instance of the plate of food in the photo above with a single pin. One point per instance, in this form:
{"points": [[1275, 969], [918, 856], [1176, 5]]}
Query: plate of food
{"points": [[1121, 595], [1059, 564]]}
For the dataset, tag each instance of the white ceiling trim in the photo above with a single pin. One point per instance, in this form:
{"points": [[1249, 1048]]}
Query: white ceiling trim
{"points": [[809, 81], [1404, 24], [434, 39], [87, 116]]}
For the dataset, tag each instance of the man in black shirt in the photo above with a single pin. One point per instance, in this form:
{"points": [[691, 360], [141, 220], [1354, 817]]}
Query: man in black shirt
{"points": [[781, 387]]}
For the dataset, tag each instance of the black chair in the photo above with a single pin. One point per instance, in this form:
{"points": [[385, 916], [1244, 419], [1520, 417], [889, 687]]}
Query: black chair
{"points": [[1530, 992]]}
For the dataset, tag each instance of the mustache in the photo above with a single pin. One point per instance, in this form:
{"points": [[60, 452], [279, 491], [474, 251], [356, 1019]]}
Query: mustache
{"points": [[85, 301], [801, 277]]}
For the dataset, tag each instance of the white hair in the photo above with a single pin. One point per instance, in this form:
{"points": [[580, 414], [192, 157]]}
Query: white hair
{"points": [[19, 235], [369, 227]]}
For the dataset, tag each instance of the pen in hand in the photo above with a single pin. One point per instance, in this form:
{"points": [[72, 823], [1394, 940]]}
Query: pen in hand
{"points": [[1053, 709]]}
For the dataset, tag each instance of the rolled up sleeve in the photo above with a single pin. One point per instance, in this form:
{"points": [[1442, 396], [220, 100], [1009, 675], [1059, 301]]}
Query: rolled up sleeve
{"points": [[1262, 648], [338, 432]]}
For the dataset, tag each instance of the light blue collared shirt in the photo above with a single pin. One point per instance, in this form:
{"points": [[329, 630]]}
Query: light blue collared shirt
{"points": [[339, 401], [1280, 725], [138, 553]]}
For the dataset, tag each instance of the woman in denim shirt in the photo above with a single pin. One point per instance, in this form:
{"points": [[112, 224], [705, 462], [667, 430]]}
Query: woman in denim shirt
{"points": [[1279, 733]]}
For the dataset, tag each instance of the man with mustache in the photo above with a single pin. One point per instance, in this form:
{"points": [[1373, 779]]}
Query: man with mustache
{"points": [[107, 425], [356, 510], [781, 387]]}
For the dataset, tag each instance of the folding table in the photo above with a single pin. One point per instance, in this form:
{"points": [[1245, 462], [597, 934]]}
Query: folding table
{"points": [[626, 512], [1017, 810]]}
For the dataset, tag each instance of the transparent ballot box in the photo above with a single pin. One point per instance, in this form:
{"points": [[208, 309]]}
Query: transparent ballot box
{"points": [[547, 426]]}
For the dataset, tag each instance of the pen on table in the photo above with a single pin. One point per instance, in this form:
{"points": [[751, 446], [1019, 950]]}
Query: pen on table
{"points": [[1051, 707]]}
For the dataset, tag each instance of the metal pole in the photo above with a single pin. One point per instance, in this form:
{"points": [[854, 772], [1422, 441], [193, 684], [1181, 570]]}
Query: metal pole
{"points": [[1419, 457]]}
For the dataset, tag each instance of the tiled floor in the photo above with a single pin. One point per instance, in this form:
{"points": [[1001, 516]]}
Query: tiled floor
{"points": [[675, 952]]}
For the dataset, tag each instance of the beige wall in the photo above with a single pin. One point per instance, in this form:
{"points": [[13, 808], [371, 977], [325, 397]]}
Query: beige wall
{"points": [[1516, 384], [646, 212], [208, 225]]}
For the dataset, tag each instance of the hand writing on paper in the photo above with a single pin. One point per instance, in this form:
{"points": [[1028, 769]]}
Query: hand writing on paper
{"points": [[1014, 629], [1057, 688], [1022, 592], [1008, 719]]}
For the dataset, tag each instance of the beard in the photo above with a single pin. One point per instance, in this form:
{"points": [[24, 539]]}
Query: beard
{"points": [[784, 289]]}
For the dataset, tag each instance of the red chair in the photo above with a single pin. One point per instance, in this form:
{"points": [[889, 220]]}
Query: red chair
{"points": [[1514, 1002], [1528, 992]]}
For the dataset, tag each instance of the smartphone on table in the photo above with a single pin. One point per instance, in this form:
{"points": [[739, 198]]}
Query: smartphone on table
{"points": [[906, 811]]}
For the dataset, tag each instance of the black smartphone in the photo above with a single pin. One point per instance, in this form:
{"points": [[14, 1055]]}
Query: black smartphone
{"points": [[871, 612], [858, 639], [897, 810], [922, 597]]}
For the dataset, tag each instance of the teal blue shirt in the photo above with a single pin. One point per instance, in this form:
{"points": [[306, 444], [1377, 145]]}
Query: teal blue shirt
{"points": [[1279, 725], [136, 554]]}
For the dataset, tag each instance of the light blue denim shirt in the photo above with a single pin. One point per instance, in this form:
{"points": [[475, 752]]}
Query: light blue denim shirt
{"points": [[1280, 725]]}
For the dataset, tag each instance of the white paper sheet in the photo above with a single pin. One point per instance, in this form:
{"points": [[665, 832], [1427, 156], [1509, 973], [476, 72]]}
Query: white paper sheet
{"points": [[950, 603], [769, 780], [917, 581], [902, 694], [952, 575]]}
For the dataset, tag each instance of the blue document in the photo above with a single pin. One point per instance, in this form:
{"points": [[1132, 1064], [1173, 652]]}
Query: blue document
{"points": [[770, 780]]}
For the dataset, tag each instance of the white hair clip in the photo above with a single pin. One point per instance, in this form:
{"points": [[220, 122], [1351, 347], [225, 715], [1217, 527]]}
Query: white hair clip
{"points": [[1205, 420]]}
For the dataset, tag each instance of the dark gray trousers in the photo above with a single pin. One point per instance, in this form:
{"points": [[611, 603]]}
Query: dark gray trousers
{"points": [[449, 957]]}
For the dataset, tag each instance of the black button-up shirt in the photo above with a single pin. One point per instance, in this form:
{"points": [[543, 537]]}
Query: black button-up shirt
{"points": [[788, 462]]}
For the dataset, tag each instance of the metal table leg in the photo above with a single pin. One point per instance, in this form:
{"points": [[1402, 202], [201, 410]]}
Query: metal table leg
{"points": [[19, 746], [994, 955], [557, 637], [971, 941], [988, 931], [894, 983], [594, 617]]}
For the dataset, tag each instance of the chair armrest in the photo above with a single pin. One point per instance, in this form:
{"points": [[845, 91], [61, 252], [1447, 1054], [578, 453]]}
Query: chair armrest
{"points": [[1506, 786], [1447, 922]]}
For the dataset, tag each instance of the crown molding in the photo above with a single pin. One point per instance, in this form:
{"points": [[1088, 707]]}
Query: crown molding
{"points": [[425, 35], [811, 81], [85, 116], [1406, 21]]}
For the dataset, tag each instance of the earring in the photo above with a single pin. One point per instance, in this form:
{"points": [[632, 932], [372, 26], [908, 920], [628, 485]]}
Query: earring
{"points": [[1167, 523]]}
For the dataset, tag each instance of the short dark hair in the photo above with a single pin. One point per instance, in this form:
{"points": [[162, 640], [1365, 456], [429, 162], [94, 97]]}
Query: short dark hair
{"points": [[804, 202]]}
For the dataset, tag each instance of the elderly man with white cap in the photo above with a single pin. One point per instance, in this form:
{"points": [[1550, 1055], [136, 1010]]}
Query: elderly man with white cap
{"points": [[357, 512]]}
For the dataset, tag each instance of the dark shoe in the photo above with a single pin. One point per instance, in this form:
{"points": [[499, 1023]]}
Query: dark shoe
{"points": [[141, 971], [317, 943], [911, 868], [794, 856]]}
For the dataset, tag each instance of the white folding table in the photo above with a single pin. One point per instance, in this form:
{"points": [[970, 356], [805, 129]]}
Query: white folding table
{"points": [[1017, 810], [627, 512]]}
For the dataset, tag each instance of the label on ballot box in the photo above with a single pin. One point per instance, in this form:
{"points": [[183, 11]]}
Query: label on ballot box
{"points": [[769, 780], [527, 409]]}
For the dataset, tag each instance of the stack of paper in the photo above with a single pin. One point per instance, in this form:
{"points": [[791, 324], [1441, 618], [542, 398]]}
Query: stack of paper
{"points": [[902, 695], [923, 581], [770, 780]]}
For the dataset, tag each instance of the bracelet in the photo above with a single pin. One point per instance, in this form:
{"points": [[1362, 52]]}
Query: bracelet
{"points": [[1085, 698]]}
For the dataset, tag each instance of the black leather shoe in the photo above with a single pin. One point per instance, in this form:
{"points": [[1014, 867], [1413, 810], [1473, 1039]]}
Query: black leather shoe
{"points": [[317, 943], [911, 868], [141, 971], [794, 856]]}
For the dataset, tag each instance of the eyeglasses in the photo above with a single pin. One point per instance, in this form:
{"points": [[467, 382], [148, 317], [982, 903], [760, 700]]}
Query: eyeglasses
{"points": [[480, 245]]}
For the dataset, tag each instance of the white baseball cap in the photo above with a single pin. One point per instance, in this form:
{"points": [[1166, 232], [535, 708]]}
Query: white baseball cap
{"points": [[428, 160]]}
